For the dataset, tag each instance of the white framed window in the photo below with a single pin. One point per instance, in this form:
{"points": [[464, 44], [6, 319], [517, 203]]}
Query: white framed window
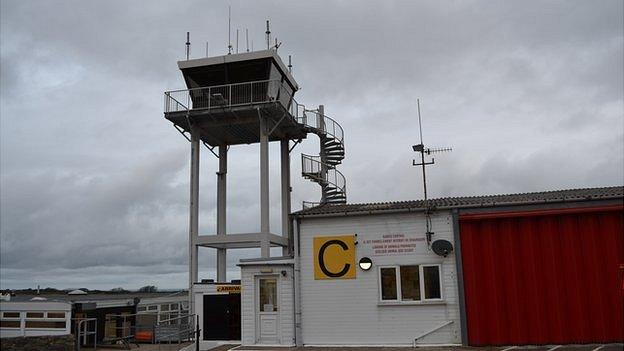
{"points": [[46, 320], [410, 283], [10, 320], [55, 315]]}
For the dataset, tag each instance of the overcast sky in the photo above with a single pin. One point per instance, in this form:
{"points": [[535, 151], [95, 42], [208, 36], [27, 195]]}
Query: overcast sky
{"points": [[94, 181]]}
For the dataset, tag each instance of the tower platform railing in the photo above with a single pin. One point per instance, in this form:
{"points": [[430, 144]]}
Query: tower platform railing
{"points": [[229, 95], [252, 93]]}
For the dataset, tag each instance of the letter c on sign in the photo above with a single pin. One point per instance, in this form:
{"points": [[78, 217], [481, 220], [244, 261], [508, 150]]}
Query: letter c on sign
{"points": [[321, 259]]}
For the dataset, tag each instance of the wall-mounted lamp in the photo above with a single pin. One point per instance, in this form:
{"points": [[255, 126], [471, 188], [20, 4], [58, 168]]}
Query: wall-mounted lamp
{"points": [[365, 263], [283, 273]]}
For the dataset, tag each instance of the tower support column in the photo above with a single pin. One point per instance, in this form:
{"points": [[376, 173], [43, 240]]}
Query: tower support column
{"points": [[285, 172], [221, 212], [194, 214], [264, 187]]}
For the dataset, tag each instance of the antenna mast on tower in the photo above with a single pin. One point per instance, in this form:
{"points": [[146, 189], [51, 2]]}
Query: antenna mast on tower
{"points": [[268, 36], [188, 45], [229, 30]]}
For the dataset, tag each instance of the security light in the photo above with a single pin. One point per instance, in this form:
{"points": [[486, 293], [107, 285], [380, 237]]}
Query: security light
{"points": [[365, 263]]}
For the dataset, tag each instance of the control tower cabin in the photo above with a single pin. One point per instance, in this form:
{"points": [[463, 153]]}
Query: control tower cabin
{"points": [[243, 99]]}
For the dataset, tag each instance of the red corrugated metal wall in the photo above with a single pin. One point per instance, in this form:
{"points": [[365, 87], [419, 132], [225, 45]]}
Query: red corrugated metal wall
{"points": [[544, 277]]}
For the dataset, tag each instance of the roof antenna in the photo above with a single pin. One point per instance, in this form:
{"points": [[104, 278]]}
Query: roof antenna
{"points": [[206, 49], [247, 38], [268, 36], [421, 148], [229, 30], [289, 64], [237, 40], [188, 45], [276, 44]]}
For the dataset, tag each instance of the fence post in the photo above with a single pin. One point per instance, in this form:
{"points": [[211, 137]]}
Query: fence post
{"points": [[77, 330], [197, 334]]}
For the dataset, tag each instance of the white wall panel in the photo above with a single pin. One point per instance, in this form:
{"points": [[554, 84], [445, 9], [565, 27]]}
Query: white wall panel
{"points": [[286, 302], [347, 311]]}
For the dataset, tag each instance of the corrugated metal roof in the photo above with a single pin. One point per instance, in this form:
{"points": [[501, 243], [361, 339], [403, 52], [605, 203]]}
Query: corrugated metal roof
{"points": [[615, 192]]}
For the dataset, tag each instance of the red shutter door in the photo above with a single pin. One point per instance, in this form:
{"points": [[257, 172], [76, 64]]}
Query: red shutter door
{"points": [[544, 277]]}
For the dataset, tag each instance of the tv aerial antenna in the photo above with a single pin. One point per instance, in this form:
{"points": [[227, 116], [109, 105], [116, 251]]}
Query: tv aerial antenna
{"points": [[230, 30], [428, 151]]}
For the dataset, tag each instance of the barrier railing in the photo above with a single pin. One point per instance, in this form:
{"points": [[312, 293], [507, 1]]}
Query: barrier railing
{"points": [[250, 93], [83, 331], [177, 329], [309, 204], [313, 119], [312, 166], [229, 95]]}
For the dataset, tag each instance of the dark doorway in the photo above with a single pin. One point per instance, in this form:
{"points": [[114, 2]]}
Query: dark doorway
{"points": [[222, 317]]}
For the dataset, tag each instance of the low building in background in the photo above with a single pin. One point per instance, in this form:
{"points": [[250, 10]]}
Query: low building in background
{"points": [[34, 318], [106, 317], [168, 310]]}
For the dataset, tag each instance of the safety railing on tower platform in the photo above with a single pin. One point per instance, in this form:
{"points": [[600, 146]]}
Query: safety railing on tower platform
{"points": [[229, 95]]}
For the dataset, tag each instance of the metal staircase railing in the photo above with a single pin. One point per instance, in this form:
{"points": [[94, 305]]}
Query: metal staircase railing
{"points": [[322, 169], [322, 124], [332, 182]]}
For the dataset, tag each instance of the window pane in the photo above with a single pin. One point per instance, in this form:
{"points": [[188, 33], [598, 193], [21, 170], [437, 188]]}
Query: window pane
{"points": [[432, 282], [9, 324], [410, 283], [141, 308], [388, 284], [164, 307], [11, 314], [45, 324], [56, 315], [34, 314], [268, 295], [174, 306], [152, 308]]}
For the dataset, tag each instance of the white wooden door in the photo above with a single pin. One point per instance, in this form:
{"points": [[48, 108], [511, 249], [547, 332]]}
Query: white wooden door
{"points": [[267, 310]]}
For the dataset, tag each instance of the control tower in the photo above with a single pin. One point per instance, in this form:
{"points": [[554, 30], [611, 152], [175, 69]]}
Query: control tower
{"points": [[248, 98]]}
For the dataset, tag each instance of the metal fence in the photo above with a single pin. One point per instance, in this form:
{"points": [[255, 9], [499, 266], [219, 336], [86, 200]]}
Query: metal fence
{"points": [[178, 329], [84, 327]]}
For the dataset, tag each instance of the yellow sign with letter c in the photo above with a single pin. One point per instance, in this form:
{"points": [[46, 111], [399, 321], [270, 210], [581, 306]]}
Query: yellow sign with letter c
{"points": [[334, 257]]}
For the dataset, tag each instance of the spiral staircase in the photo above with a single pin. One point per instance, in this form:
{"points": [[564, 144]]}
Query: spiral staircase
{"points": [[321, 168]]}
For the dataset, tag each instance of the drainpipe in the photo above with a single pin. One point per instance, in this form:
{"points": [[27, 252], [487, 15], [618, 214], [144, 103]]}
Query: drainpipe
{"points": [[297, 282]]}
